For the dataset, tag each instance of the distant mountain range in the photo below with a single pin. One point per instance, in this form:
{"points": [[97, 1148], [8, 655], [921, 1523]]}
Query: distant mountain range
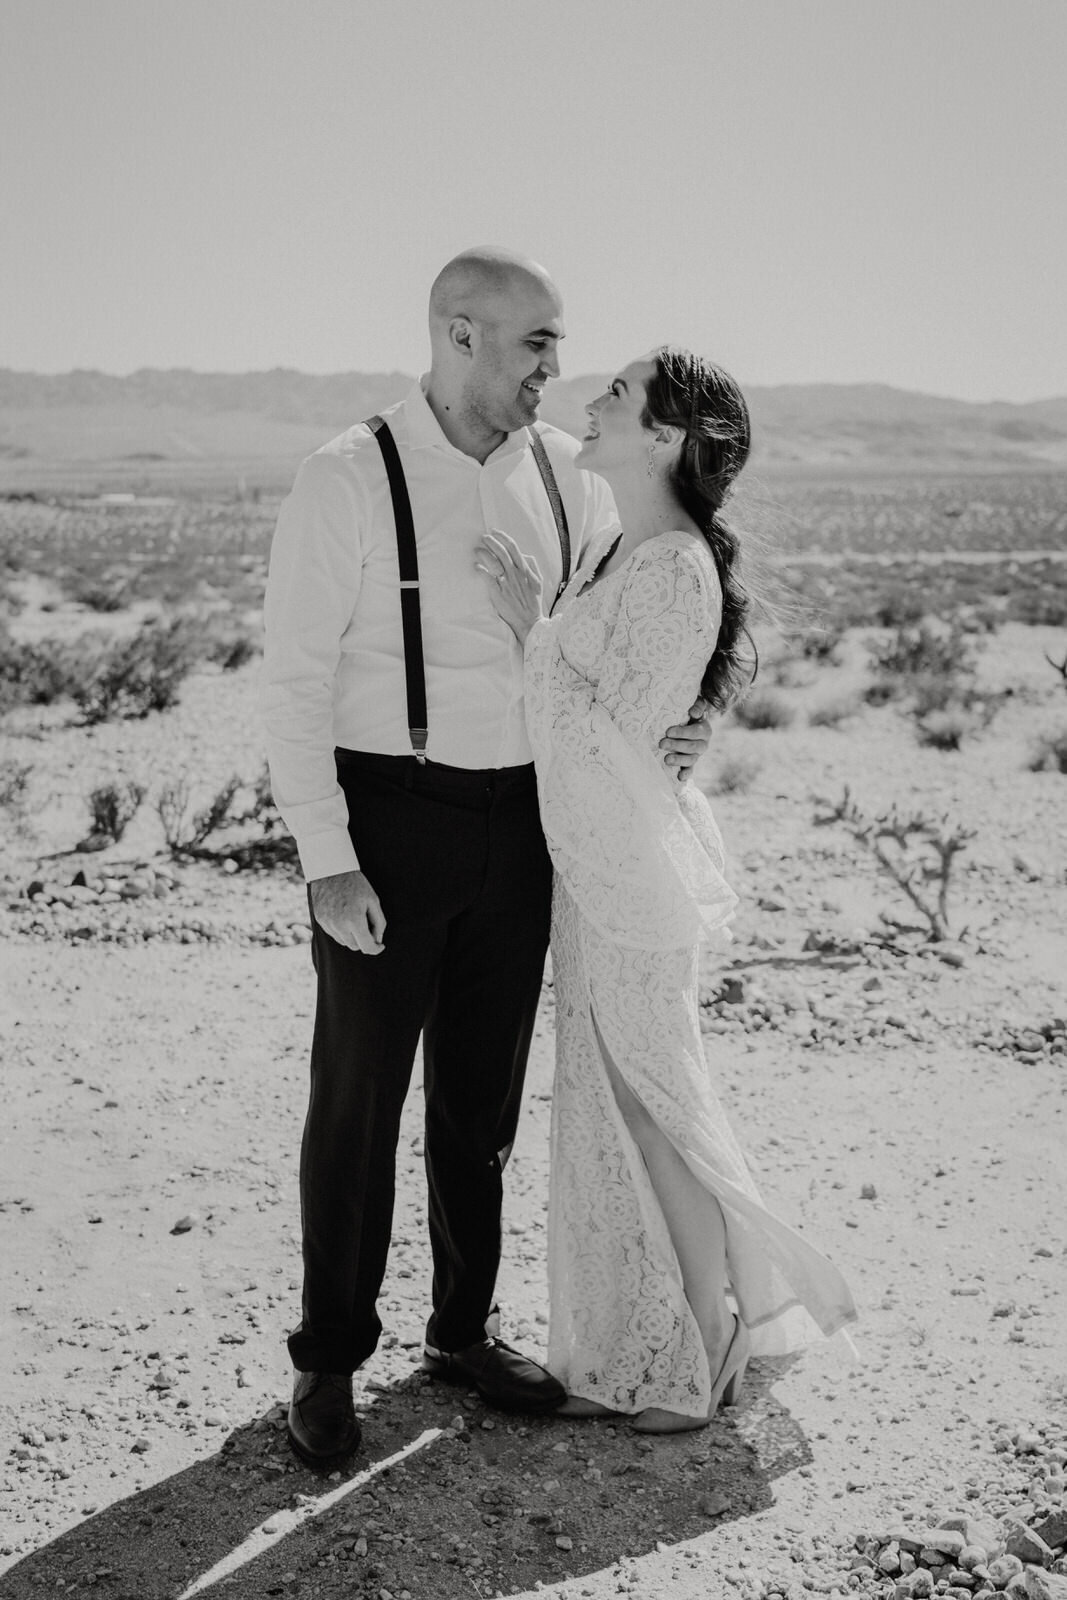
{"points": [[270, 420]]}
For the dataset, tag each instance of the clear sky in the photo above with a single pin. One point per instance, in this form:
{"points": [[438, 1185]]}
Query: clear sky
{"points": [[806, 190]]}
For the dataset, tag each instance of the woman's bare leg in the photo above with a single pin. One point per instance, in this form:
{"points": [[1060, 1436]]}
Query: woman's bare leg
{"points": [[693, 1216]]}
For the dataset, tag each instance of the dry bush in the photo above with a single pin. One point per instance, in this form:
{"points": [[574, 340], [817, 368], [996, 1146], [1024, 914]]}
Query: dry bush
{"points": [[928, 650], [1050, 753], [184, 834], [833, 712], [14, 793], [764, 709], [734, 775], [1059, 666], [112, 807], [945, 729], [132, 677], [917, 852], [821, 645], [102, 594], [36, 674]]}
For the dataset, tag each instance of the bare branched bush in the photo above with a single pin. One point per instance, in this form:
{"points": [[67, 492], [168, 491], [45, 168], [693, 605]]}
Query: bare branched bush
{"points": [[14, 793], [112, 807], [1059, 666], [764, 709], [916, 851], [185, 834]]}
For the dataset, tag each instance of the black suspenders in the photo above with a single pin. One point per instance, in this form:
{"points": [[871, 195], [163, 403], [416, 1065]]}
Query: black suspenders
{"points": [[408, 562], [410, 613], [548, 478]]}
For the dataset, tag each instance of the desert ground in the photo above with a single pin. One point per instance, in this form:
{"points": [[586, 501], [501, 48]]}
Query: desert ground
{"points": [[901, 1097]]}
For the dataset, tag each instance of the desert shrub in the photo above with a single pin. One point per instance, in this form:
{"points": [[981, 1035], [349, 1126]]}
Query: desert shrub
{"points": [[900, 608], [931, 665], [131, 677], [932, 693], [1059, 666], [944, 729], [271, 845], [916, 852], [100, 594], [1040, 608], [734, 775], [185, 834], [822, 645], [922, 651], [833, 712], [764, 709], [231, 651], [112, 807], [36, 674], [14, 792], [1050, 753]]}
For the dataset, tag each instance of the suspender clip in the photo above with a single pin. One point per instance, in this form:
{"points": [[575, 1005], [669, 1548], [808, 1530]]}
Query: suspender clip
{"points": [[418, 744]]}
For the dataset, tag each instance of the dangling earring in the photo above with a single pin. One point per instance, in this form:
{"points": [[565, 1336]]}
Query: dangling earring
{"points": [[651, 461]]}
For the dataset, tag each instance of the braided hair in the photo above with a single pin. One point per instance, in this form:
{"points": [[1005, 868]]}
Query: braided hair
{"points": [[695, 395]]}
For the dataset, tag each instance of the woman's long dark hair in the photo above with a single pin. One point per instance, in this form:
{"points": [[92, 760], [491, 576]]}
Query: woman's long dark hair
{"points": [[693, 394]]}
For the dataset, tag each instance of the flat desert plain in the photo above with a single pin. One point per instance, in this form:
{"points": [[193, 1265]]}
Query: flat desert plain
{"points": [[902, 1100]]}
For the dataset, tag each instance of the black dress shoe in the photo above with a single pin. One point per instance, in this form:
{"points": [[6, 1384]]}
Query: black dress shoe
{"points": [[323, 1428], [502, 1376]]}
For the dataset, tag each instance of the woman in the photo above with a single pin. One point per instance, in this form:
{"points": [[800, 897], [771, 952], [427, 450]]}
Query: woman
{"points": [[665, 1269]]}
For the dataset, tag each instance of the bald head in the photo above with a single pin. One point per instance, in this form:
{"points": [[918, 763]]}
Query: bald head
{"points": [[484, 282], [496, 319]]}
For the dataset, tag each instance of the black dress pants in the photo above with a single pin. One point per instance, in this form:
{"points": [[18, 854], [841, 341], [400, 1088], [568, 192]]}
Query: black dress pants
{"points": [[459, 863]]}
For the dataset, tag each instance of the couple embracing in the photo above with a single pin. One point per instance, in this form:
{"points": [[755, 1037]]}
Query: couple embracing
{"points": [[489, 656]]}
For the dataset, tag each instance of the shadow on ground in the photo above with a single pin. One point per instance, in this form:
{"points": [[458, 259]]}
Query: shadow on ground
{"points": [[478, 1504]]}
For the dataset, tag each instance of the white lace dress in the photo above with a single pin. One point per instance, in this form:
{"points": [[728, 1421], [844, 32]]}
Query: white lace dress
{"points": [[639, 883]]}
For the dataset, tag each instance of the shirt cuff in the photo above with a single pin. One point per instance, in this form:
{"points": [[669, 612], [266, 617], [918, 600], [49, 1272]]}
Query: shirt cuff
{"points": [[323, 855]]}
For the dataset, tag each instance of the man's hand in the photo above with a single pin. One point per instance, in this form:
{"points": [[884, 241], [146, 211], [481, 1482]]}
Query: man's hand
{"points": [[347, 908], [686, 744]]}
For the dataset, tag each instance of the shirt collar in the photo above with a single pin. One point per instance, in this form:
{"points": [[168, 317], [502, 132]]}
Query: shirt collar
{"points": [[422, 430]]}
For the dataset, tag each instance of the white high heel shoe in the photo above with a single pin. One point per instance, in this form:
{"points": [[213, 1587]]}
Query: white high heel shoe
{"points": [[726, 1391]]}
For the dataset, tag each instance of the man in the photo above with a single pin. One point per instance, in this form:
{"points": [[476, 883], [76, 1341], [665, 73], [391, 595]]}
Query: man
{"points": [[428, 878]]}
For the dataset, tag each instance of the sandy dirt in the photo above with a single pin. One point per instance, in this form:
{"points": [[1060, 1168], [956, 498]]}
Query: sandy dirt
{"points": [[894, 1104]]}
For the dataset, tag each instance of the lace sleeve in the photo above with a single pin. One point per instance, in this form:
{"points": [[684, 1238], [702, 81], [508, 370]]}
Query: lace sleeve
{"points": [[639, 852]]}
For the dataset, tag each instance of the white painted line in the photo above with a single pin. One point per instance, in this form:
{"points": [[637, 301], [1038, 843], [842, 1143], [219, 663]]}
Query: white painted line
{"points": [[283, 1523]]}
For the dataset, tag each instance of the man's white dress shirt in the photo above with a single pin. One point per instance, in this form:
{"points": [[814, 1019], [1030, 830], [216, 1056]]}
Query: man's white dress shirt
{"points": [[334, 655]]}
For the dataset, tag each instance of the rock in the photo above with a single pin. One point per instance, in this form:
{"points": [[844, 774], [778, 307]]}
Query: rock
{"points": [[563, 1542], [1044, 1585], [184, 1224], [1027, 1545], [715, 1504], [1003, 1569], [972, 1556], [732, 992], [948, 1543], [920, 1584], [1054, 1529], [888, 1560], [868, 1192], [951, 953]]}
